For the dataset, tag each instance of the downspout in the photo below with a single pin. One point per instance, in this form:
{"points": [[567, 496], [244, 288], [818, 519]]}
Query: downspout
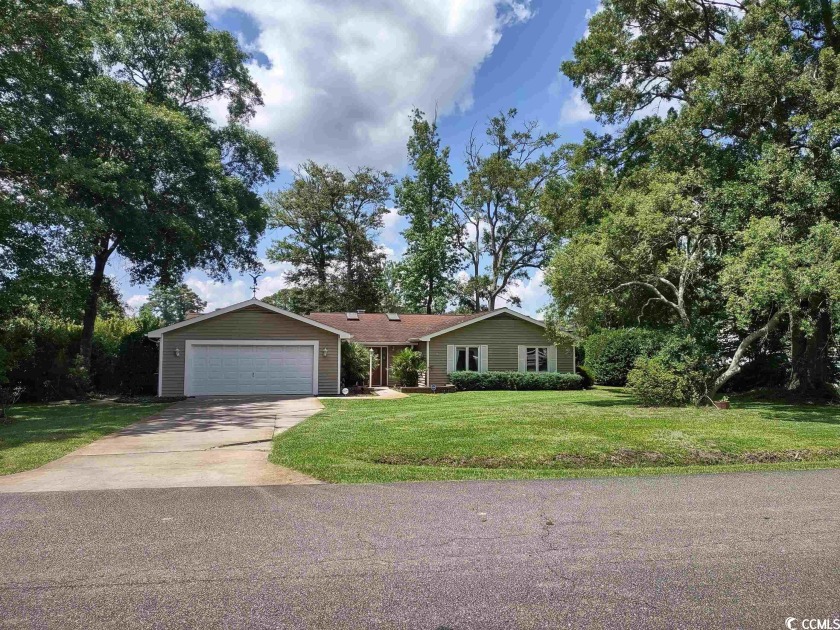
{"points": [[160, 367], [339, 367]]}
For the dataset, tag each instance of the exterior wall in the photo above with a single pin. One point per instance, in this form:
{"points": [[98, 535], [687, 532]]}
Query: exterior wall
{"points": [[251, 322], [502, 335]]}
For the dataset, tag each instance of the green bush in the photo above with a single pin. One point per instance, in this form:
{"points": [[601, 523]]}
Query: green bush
{"points": [[355, 363], [515, 380], [611, 354], [406, 366], [41, 353], [4, 365], [586, 375], [655, 383]]}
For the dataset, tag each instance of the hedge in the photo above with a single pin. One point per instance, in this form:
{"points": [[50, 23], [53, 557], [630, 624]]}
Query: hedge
{"points": [[612, 353], [481, 381]]}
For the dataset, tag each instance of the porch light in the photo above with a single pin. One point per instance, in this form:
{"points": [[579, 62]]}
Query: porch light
{"points": [[324, 352], [177, 352]]}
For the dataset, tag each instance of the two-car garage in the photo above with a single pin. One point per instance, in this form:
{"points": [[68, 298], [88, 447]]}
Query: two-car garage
{"points": [[249, 348], [237, 368]]}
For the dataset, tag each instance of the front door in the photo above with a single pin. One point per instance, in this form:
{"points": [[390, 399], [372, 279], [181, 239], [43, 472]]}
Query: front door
{"points": [[379, 373]]}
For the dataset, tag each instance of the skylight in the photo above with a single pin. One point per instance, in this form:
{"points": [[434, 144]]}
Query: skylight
{"points": [[352, 316], [393, 317]]}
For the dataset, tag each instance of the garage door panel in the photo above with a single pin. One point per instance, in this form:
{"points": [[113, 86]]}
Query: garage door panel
{"points": [[251, 369]]}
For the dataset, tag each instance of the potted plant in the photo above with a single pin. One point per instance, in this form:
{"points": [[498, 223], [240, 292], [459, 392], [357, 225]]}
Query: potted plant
{"points": [[723, 403]]}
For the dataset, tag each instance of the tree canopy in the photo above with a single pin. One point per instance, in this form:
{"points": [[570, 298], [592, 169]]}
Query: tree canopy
{"points": [[426, 272], [143, 171], [503, 234], [331, 221], [702, 217]]}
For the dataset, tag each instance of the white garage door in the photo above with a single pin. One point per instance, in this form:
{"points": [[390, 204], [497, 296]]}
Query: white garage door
{"points": [[244, 369]]}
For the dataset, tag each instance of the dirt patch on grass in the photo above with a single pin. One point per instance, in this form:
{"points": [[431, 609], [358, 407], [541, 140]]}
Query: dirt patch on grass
{"points": [[619, 458]]}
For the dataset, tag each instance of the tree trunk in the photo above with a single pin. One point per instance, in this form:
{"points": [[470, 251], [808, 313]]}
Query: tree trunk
{"points": [[809, 360], [491, 302], [476, 288], [735, 364], [100, 260], [430, 296]]}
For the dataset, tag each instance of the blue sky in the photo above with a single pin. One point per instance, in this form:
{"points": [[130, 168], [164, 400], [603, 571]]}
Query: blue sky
{"points": [[340, 79]]}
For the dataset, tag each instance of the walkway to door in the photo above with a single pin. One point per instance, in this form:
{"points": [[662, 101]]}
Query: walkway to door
{"points": [[205, 441]]}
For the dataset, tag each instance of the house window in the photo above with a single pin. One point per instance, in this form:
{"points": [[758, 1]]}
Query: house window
{"points": [[536, 359], [466, 359]]}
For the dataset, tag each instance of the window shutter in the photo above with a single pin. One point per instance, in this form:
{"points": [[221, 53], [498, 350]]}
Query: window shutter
{"points": [[450, 359], [552, 358], [523, 366], [482, 358]]}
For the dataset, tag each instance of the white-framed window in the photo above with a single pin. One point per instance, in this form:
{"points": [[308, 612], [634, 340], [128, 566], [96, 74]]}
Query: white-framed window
{"points": [[536, 359], [466, 358]]}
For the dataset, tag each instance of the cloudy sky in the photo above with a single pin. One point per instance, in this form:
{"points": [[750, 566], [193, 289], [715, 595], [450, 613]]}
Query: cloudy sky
{"points": [[340, 78]]}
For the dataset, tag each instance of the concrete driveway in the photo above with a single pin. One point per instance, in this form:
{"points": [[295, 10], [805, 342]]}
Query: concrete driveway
{"points": [[205, 441]]}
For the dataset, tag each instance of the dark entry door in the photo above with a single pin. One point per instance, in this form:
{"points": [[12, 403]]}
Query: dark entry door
{"points": [[379, 374]]}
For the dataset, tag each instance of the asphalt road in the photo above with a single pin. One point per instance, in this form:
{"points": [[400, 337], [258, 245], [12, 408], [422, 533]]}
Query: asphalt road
{"points": [[718, 551]]}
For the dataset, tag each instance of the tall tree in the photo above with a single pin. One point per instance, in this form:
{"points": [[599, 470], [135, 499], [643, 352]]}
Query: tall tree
{"points": [[758, 92], [45, 54], [432, 258], [171, 304], [305, 211], [331, 222], [500, 222], [359, 220], [144, 172]]}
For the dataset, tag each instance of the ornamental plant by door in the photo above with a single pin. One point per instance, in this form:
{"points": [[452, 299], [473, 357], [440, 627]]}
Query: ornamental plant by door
{"points": [[406, 366]]}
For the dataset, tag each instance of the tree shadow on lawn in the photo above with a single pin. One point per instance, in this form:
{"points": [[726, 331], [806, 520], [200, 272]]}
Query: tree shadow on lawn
{"points": [[786, 412], [767, 409], [618, 398]]}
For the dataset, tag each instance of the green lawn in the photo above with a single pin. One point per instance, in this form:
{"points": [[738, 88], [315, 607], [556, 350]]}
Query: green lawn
{"points": [[41, 433], [521, 435]]}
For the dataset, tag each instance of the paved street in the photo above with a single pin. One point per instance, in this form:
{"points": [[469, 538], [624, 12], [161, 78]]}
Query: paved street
{"points": [[717, 551], [205, 441]]}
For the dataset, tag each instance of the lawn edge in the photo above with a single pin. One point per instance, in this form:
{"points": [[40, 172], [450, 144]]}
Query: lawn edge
{"points": [[83, 441]]}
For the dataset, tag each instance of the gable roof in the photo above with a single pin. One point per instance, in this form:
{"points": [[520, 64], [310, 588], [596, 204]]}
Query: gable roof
{"points": [[155, 334], [377, 328], [480, 317]]}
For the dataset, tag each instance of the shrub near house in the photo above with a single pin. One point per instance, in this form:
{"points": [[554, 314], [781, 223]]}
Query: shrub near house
{"points": [[406, 367], [467, 381], [611, 354]]}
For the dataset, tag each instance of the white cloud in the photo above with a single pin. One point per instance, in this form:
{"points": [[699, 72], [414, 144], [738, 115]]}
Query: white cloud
{"points": [[389, 252], [392, 225], [532, 293], [134, 302], [221, 294], [344, 76], [575, 109]]}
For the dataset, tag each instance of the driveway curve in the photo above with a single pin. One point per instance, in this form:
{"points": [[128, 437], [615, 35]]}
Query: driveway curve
{"points": [[199, 442]]}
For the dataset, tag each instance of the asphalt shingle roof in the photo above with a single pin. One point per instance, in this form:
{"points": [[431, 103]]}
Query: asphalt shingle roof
{"points": [[377, 328]]}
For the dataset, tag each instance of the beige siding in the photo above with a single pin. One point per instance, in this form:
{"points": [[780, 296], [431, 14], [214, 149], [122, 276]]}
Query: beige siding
{"points": [[502, 335], [251, 322]]}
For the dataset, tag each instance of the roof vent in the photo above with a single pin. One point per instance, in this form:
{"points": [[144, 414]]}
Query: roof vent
{"points": [[393, 317], [361, 311], [353, 317]]}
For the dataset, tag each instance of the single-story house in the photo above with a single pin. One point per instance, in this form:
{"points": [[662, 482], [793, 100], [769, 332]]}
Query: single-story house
{"points": [[255, 348]]}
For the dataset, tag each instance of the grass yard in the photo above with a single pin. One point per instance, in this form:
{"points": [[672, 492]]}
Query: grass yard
{"points": [[41, 433], [525, 435]]}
